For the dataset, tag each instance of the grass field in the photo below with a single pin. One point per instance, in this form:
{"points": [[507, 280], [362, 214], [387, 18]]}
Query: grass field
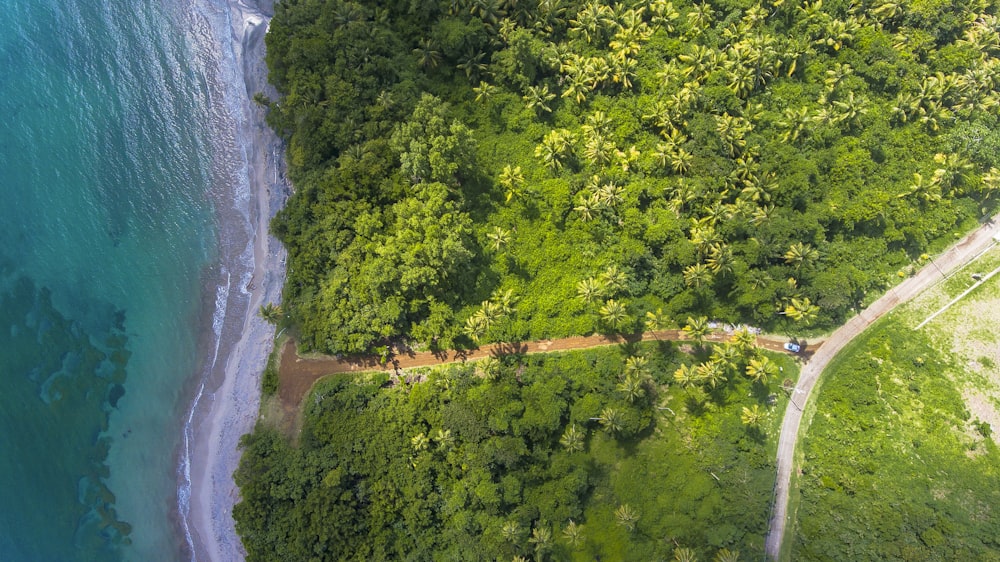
{"points": [[901, 459]]}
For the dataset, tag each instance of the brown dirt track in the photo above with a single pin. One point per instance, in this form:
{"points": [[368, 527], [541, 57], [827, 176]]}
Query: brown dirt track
{"points": [[298, 374]]}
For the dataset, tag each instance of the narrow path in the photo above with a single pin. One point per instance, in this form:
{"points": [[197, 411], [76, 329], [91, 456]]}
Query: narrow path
{"points": [[953, 258], [297, 374]]}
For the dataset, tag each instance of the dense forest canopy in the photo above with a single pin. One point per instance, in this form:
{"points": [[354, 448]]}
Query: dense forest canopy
{"points": [[471, 170], [585, 455]]}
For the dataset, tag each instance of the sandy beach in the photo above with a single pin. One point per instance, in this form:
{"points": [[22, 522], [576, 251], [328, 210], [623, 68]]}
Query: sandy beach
{"points": [[225, 410]]}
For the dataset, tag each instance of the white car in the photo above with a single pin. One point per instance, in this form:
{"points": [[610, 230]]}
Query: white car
{"points": [[793, 347]]}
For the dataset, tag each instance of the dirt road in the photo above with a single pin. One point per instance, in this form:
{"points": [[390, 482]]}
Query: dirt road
{"points": [[298, 374], [956, 256]]}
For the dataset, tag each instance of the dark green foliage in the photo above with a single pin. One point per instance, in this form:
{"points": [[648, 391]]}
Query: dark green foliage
{"points": [[690, 149], [269, 380], [436, 469]]}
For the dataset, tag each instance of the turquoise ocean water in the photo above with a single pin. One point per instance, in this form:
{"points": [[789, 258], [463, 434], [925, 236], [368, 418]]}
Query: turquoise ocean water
{"points": [[108, 240]]}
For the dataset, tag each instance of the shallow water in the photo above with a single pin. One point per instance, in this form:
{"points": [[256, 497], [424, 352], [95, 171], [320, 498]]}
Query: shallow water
{"points": [[110, 159]]}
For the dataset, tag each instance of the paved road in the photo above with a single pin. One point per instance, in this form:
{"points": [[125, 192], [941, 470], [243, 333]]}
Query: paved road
{"points": [[953, 258]]}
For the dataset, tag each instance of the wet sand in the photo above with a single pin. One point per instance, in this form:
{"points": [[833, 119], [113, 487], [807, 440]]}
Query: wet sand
{"points": [[227, 409]]}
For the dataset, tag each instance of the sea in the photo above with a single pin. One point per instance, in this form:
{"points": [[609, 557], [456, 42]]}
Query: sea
{"points": [[124, 248]]}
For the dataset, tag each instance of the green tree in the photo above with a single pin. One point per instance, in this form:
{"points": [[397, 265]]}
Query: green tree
{"points": [[697, 329], [512, 180], [590, 290], [726, 555], [573, 534], [684, 554], [271, 313], [611, 420], [614, 313], [761, 369], [801, 310], [432, 147], [573, 438], [751, 416], [627, 517], [632, 388], [499, 238], [541, 537], [511, 532]]}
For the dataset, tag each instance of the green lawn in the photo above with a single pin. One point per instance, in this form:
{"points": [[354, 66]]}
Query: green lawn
{"points": [[901, 461]]}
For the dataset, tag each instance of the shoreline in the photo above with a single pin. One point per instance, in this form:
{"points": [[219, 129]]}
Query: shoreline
{"points": [[225, 404]]}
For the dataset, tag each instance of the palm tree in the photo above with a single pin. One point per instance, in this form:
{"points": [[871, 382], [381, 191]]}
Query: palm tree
{"points": [[484, 91], [611, 420], [849, 109], [444, 438], [685, 376], [732, 131], [801, 310], [490, 368], [420, 441], [614, 314], [590, 290], [800, 255], [664, 14], [656, 321], [271, 313], [703, 234], [610, 194], [680, 161], [726, 555], [727, 356], [710, 373], [472, 64], [955, 170], [538, 98], [760, 369], [623, 68], [541, 537], [720, 259], [752, 415], [745, 342], [700, 17], [512, 179], [685, 555], [795, 122], [573, 534], [428, 55], [927, 190], [697, 275], [614, 278], [632, 388], [637, 365], [511, 531], [554, 148], [588, 206], [476, 326], [598, 151], [626, 516], [487, 10], [573, 439], [696, 329], [499, 238]]}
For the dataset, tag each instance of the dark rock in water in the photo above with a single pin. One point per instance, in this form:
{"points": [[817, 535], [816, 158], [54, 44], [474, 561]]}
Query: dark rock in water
{"points": [[116, 392]]}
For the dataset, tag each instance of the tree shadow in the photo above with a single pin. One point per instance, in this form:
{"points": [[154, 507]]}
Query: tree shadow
{"points": [[694, 405]]}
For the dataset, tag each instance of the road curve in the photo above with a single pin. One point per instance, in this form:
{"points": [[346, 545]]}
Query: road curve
{"points": [[953, 258]]}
